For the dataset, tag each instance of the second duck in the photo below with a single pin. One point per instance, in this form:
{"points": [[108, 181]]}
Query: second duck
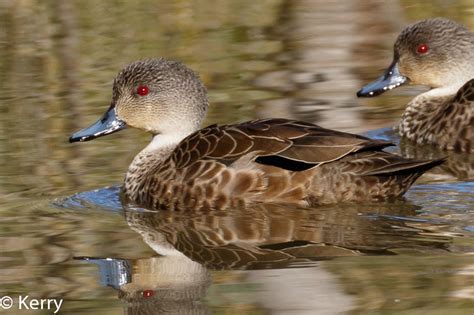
{"points": [[438, 53]]}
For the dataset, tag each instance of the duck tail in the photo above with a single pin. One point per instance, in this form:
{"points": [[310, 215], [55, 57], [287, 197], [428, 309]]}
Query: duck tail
{"points": [[426, 165], [407, 166], [399, 177]]}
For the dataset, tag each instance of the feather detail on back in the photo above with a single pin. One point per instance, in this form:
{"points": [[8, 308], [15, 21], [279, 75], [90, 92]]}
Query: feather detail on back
{"points": [[273, 160]]}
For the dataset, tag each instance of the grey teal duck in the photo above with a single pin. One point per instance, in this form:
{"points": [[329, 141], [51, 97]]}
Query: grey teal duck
{"points": [[267, 160], [438, 53]]}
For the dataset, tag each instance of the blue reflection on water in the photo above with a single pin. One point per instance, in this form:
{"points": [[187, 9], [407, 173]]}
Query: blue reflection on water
{"points": [[107, 198]]}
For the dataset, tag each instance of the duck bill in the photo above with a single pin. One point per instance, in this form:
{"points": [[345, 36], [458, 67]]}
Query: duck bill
{"points": [[109, 123], [389, 80]]}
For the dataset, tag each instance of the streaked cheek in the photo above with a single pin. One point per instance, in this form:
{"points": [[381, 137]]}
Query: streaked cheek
{"points": [[128, 112], [412, 67], [405, 67]]}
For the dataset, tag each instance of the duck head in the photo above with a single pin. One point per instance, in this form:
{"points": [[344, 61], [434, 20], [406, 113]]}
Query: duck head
{"points": [[156, 95], [436, 52]]}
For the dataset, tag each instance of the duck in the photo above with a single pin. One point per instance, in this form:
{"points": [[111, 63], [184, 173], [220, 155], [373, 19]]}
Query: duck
{"points": [[437, 53], [271, 160]]}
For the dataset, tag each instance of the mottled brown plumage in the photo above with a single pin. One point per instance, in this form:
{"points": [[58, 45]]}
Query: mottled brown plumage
{"points": [[443, 116], [274, 160], [270, 160]]}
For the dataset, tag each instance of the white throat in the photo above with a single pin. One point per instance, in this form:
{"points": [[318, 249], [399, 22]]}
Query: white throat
{"points": [[165, 141], [160, 147], [444, 90], [435, 94]]}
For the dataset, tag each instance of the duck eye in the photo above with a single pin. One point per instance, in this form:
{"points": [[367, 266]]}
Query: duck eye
{"points": [[148, 293], [142, 90], [422, 48]]}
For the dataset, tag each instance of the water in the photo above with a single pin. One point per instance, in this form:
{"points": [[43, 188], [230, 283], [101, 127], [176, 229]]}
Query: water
{"points": [[64, 233]]}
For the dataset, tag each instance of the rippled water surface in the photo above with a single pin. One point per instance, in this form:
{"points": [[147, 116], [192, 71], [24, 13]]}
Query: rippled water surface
{"points": [[64, 233]]}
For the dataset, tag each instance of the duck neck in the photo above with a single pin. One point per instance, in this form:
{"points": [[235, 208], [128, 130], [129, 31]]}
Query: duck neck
{"points": [[425, 101], [160, 147], [163, 144], [157, 151], [420, 111]]}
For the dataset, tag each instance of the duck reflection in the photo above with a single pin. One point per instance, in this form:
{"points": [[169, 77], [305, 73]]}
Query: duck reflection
{"points": [[270, 236], [459, 165], [191, 244]]}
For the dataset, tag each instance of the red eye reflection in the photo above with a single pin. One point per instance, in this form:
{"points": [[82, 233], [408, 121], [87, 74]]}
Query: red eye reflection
{"points": [[422, 49], [142, 90], [148, 293]]}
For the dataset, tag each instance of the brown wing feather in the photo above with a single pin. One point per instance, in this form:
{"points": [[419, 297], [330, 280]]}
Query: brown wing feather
{"points": [[287, 139], [381, 163]]}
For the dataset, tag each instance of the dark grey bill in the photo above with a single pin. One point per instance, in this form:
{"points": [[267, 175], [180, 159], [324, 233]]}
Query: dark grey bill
{"points": [[389, 80], [109, 123]]}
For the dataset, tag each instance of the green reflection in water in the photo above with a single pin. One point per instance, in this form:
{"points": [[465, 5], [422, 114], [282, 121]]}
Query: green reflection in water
{"points": [[409, 284]]}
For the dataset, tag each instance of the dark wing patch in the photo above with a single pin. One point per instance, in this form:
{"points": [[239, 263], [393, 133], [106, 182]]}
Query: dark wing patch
{"points": [[281, 162], [288, 144]]}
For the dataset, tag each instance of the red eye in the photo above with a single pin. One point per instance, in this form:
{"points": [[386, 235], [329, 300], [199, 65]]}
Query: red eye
{"points": [[148, 293], [422, 49], [142, 90]]}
